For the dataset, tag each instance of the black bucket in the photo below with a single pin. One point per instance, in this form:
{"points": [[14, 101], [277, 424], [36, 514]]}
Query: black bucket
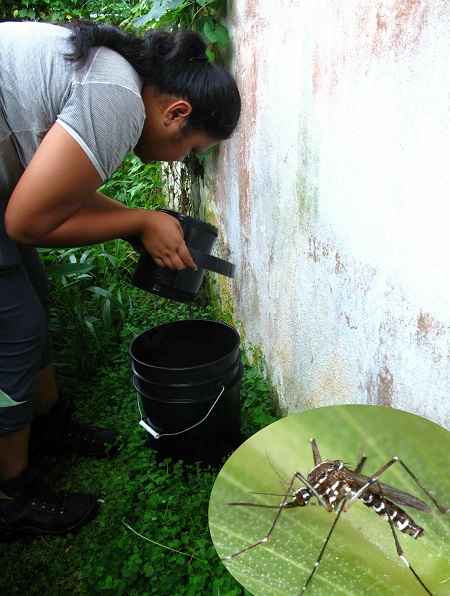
{"points": [[182, 285], [187, 375]]}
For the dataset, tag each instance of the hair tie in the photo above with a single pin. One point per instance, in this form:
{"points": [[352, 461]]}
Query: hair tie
{"points": [[203, 58]]}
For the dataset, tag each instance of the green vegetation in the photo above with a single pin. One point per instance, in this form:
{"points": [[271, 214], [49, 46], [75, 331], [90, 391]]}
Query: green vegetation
{"points": [[151, 536], [6, 401]]}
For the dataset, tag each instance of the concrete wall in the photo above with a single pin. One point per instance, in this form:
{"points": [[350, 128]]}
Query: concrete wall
{"points": [[333, 199]]}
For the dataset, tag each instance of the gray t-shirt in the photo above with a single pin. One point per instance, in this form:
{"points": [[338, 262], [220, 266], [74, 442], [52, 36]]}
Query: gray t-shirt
{"points": [[99, 105]]}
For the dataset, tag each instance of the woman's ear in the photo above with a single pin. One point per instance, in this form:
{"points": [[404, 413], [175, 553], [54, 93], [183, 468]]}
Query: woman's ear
{"points": [[176, 112]]}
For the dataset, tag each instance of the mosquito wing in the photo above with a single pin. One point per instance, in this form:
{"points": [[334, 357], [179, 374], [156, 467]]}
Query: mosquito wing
{"points": [[394, 494]]}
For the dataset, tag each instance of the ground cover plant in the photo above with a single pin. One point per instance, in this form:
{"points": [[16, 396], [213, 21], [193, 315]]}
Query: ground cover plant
{"points": [[151, 536]]}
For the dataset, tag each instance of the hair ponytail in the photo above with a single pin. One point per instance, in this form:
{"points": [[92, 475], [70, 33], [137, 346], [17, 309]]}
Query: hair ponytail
{"points": [[176, 64]]}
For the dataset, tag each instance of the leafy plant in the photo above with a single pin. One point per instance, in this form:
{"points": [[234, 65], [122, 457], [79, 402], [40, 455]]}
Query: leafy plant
{"points": [[60, 11], [87, 294], [200, 15], [151, 536], [6, 401]]}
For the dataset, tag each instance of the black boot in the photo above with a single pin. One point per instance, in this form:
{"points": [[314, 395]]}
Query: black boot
{"points": [[58, 434], [26, 508]]}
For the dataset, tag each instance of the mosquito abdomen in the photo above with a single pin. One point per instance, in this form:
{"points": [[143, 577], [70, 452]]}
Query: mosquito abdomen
{"points": [[386, 509]]}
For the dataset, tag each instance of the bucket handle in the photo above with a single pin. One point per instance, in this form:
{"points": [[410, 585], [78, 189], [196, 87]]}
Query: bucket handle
{"points": [[156, 435]]}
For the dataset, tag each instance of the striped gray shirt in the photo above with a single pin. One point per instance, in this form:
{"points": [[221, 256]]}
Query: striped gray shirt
{"points": [[99, 105]]}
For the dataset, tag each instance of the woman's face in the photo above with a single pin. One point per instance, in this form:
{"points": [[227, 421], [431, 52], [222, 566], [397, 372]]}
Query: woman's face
{"points": [[163, 137]]}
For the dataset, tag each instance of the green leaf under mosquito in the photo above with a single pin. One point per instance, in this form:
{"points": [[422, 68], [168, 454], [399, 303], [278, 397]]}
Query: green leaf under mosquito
{"points": [[360, 557]]}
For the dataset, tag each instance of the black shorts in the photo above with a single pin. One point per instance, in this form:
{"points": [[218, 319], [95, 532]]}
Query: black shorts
{"points": [[25, 344]]}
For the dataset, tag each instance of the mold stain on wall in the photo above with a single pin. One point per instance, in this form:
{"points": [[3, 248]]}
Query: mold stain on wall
{"points": [[306, 184], [249, 64], [429, 333], [399, 25], [380, 390]]}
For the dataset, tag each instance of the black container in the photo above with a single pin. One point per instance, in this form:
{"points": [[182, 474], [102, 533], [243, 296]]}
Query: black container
{"points": [[182, 285], [187, 375]]}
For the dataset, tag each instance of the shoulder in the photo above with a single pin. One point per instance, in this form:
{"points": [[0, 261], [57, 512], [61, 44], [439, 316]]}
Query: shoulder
{"points": [[107, 66]]}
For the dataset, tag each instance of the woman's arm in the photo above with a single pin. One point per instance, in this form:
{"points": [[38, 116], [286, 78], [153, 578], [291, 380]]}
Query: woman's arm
{"points": [[56, 203]]}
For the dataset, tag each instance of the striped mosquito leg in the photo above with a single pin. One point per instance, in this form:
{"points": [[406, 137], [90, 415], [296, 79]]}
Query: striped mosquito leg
{"points": [[400, 552], [324, 546], [272, 527], [361, 463], [394, 460]]}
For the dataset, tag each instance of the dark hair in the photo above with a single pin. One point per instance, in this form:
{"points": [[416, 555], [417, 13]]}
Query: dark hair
{"points": [[176, 64]]}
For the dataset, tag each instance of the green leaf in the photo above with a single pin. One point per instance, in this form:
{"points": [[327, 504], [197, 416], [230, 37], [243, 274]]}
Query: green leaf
{"points": [[209, 30], [361, 557], [201, 156], [223, 39], [108, 295], [142, 21], [216, 33], [211, 55], [157, 11], [175, 4], [57, 269], [6, 401], [27, 13]]}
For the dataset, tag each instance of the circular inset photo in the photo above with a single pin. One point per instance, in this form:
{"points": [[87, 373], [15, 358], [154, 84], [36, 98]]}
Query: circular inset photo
{"points": [[288, 514]]}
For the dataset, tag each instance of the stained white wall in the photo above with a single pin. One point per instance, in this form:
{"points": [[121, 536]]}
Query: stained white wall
{"points": [[333, 199]]}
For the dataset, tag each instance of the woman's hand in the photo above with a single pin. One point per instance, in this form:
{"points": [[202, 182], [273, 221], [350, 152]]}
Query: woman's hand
{"points": [[163, 239]]}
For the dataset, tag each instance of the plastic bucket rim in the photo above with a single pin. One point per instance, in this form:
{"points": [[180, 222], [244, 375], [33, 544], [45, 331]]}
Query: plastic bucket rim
{"points": [[194, 221], [174, 369]]}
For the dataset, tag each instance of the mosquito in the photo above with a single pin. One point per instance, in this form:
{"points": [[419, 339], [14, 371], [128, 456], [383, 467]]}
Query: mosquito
{"points": [[336, 488]]}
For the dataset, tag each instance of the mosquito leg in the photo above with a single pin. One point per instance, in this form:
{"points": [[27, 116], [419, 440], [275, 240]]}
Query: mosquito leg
{"points": [[400, 552], [313, 491], [275, 471], [324, 545], [272, 527], [259, 505], [362, 461], [394, 460], [315, 450], [287, 506]]}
